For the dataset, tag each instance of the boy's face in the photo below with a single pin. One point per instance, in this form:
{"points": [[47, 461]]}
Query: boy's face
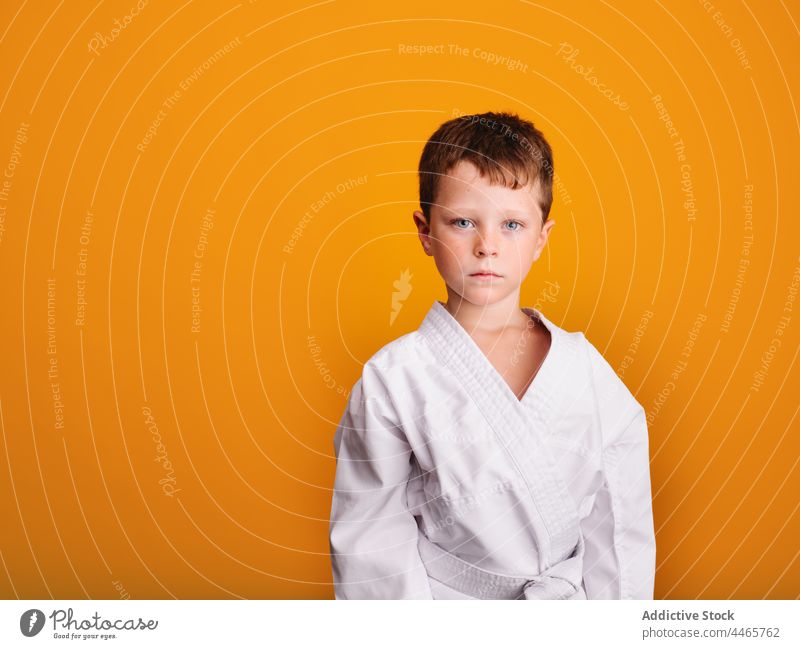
{"points": [[479, 227]]}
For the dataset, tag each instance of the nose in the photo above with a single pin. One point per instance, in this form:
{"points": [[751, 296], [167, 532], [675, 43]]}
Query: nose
{"points": [[485, 245]]}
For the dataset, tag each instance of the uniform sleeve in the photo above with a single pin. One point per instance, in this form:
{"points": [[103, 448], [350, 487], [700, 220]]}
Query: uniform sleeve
{"points": [[373, 536], [620, 556]]}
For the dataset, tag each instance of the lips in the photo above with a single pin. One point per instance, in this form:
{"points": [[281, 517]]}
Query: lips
{"points": [[486, 273]]}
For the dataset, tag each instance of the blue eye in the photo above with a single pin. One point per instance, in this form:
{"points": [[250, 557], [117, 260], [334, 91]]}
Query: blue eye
{"points": [[460, 220], [456, 223]]}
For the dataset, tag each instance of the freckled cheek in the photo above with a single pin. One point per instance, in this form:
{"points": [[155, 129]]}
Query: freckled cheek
{"points": [[453, 256], [519, 258], [453, 247]]}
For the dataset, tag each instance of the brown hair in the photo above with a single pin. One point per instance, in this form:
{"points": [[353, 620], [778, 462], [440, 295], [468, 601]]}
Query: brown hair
{"points": [[507, 148]]}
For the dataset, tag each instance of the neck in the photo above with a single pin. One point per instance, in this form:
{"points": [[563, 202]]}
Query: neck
{"points": [[492, 318]]}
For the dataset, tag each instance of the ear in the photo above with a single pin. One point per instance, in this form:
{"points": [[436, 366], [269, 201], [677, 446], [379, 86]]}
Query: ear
{"points": [[543, 237], [424, 231]]}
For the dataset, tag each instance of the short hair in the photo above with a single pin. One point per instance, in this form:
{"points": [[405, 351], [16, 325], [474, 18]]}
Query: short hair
{"points": [[503, 146]]}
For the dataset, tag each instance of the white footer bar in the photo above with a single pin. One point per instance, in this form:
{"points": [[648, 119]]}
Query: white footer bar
{"points": [[388, 624]]}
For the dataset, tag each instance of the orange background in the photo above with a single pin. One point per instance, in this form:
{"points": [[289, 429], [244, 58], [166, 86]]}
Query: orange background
{"points": [[296, 275]]}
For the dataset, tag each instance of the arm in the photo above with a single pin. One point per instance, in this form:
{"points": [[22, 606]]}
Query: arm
{"points": [[620, 543], [373, 536]]}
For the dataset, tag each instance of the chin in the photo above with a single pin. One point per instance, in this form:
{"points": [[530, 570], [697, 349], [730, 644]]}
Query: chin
{"points": [[484, 296], [480, 294]]}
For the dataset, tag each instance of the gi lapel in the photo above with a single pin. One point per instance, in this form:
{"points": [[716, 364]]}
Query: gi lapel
{"points": [[520, 426]]}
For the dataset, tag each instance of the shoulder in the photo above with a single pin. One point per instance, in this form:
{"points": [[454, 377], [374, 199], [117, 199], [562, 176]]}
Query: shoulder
{"points": [[386, 387], [603, 375], [406, 356], [572, 339], [573, 347], [616, 404], [398, 351]]}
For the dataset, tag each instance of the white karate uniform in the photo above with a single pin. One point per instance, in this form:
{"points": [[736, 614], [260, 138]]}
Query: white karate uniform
{"points": [[449, 487]]}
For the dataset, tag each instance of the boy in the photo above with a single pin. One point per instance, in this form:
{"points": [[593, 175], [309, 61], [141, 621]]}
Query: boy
{"points": [[490, 454]]}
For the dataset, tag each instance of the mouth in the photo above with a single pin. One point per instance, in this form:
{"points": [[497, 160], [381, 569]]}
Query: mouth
{"points": [[485, 274]]}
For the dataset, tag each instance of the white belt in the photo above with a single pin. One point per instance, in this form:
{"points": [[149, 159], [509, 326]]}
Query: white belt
{"points": [[560, 581]]}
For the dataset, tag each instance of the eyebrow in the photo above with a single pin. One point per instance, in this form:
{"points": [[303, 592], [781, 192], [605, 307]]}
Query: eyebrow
{"points": [[469, 210]]}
